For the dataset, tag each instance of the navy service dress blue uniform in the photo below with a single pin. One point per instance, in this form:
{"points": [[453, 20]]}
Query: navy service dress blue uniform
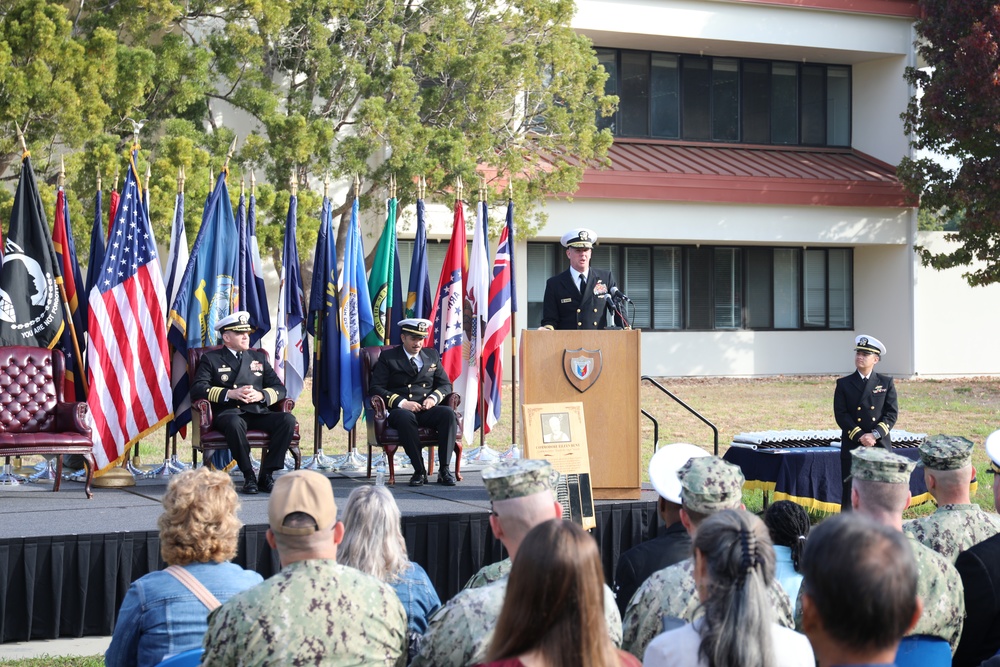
{"points": [[862, 407], [221, 370], [398, 381], [565, 306]]}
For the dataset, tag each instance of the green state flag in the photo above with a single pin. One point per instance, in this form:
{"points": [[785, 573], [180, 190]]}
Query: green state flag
{"points": [[380, 280]]}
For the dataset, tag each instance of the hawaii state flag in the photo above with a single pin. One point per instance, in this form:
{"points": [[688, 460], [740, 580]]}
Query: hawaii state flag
{"points": [[448, 333], [498, 324]]}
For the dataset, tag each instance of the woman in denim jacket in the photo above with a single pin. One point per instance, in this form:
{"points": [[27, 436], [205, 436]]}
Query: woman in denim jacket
{"points": [[160, 616], [373, 543]]}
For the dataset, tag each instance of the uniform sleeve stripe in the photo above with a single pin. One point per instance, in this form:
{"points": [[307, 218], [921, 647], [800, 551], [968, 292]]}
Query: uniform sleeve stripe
{"points": [[215, 394], [272, 395], [854, 432], [885, 429]]}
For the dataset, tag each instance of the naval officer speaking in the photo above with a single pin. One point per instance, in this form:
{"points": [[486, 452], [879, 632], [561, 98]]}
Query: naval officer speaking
{"points": [[580, 297]]}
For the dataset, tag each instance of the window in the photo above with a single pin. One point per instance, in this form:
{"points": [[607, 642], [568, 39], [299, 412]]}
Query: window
{"points": [[704, 98], [715, 288]]}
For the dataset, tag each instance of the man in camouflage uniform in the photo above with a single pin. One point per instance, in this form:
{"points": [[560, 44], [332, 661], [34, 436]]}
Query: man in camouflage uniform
{"points": [[314, 611], [958, 523], [460, 633], [881, 491], [708, 485]]}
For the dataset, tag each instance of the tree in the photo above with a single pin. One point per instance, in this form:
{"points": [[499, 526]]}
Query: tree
{"points": [[958, 116]]}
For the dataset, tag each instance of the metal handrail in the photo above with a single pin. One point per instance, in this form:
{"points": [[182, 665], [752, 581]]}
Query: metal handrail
{"points": [[656, 428], [715, 430]]}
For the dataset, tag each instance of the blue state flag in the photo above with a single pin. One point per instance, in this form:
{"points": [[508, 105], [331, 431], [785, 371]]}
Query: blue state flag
{"points": [[418, 297], [291, 347], [206, 292], [324, 308], [96, 256], [356, 321], [253, 293]]}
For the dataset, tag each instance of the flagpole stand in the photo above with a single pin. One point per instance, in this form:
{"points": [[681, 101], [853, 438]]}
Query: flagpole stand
{"points": [[349, 462], [177, 465], [318, 461], [8, 477], [46, 475], [165, 470], [116, 478], [27, 470], [137, 472], [482, 455], [76, 475]]}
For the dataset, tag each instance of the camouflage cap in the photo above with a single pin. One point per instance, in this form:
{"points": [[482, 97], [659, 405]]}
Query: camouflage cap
{"points": [[946, 452], [518, 478], [875, 464], [709, 485]]}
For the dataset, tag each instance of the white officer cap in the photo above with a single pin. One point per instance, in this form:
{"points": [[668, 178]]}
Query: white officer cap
{"points": [[579, 238], [869, 344], [238, 322], [664, 465], [415, 326], [993, 451]]}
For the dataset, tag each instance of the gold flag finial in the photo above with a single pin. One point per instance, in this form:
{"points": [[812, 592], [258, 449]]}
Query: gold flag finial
{"points": [[24, 145], [326, 185], [115, 189], [253, 185], [458, 189], [243, 185], [421, 187], [392, 186], [357, 186], [62, 171], [211, 180], [180, 180], [99, 182], [149, 174], [294, 183], [229, 156]]}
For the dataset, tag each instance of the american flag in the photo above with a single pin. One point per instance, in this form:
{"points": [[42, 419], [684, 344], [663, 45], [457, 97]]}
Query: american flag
{"points": [[130, 393]]}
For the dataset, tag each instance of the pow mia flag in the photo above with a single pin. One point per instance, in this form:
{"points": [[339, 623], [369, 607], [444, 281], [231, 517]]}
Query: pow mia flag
{"points": [[31, 311]]}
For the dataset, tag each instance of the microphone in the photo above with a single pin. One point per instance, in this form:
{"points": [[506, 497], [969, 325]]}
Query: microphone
{"points": [[618, 294]]}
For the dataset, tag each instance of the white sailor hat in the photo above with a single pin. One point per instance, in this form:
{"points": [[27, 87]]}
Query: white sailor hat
{"points": [[869, 344], [993, 451], [238, 322], [579, 238], [664, 465], [415, 326]]}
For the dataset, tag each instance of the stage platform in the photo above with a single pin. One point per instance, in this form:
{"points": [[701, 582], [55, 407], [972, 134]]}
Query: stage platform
{"points": [[66, 562]]}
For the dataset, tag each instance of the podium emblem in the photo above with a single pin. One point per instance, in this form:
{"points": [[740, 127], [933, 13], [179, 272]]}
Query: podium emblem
{"points": [[582, 367]]}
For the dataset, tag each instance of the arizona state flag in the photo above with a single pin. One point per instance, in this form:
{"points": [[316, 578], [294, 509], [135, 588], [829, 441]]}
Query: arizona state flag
{"points": [[31, 310]]}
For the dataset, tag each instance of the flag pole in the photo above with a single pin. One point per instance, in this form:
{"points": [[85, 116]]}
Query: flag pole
{"points": [[481, 330], [513, 340], [318, 457]]}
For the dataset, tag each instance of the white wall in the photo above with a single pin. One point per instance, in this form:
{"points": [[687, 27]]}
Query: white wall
{"points": [[956, 326], [880, 95]]}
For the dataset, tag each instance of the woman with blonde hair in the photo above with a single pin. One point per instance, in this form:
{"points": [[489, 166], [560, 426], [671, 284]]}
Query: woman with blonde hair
{"points": [[165, 612], [733, 569], [373, 543], [553, 610]]}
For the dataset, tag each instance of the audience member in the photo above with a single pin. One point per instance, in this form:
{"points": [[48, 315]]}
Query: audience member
{"points": [[373, 543], [521, 496], [315, 611], [552, 613], [881, 491], [979, 567], [958, 523], [165, 612], [734, 568], [788, 525], [673, 544], [859, 591], [669, 598]]}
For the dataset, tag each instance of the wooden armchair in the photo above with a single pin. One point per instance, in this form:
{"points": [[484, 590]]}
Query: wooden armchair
{"points": [[205, 439], [388, 438], [34, 418]]}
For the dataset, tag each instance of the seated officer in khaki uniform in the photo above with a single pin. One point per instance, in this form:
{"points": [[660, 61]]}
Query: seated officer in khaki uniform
{"points": [[413, 383]]}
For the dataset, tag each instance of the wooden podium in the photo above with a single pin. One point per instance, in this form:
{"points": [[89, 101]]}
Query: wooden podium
{"points": [[600, 369]]}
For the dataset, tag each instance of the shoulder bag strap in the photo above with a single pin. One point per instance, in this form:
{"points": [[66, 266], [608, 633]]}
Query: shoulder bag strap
{"points": [[194, 586]]}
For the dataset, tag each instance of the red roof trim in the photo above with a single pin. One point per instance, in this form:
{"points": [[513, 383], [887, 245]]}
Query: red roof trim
{"points": [[903, 8], [774, 175]]}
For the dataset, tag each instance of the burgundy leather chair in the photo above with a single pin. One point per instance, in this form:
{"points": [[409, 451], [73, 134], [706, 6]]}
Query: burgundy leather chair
{"points": [[34, 418], [388, 438], [205, 439]]}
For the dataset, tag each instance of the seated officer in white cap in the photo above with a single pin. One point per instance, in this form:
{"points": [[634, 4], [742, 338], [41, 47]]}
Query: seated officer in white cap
{"points": [[413, 383], [576, 299], [865, 407], [241, 385], [673, 544], [979, 567]]}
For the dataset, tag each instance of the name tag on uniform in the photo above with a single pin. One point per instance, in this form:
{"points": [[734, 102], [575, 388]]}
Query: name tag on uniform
{"points": [[432, 367], [570, 300], [224, 368]]}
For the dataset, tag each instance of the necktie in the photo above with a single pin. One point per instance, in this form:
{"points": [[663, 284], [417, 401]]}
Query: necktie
{"points": [[239, 358], [413, 365], [583, 284]]}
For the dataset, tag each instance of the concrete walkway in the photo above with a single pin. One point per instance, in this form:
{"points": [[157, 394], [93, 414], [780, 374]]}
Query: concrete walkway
{"points": [[58, 647]]}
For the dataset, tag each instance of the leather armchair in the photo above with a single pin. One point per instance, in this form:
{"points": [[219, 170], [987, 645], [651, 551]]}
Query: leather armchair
{"points": [[205, 439], [388, 438], [34, 417]]}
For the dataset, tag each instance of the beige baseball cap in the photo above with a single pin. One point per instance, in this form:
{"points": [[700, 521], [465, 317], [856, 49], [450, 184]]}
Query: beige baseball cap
{"points": [[303, 491]]}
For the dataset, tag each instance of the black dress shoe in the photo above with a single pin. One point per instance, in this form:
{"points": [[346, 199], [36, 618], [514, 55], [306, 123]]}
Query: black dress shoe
{"points": [[250, 486], [265, 482], [418, 479], [446, 478]]}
